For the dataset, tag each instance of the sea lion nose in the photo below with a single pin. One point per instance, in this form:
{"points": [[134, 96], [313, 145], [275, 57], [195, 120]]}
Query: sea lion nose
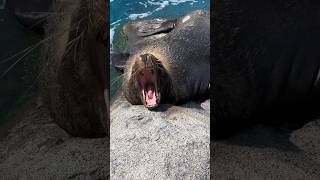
{"points": [[144, 58]]}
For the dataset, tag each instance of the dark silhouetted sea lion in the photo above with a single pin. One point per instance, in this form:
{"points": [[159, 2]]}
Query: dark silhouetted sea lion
{"points": [[76, 83], [170, 64], [266, 58]]}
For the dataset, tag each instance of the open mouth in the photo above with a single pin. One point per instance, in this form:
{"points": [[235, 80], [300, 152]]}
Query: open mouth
{"points": [[148, 83]]}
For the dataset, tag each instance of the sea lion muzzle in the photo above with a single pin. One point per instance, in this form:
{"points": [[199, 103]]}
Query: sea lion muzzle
{"points": [[148, 79]]}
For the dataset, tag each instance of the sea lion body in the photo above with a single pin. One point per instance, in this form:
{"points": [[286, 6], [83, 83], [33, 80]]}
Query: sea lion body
{"points": [[266, 57], [184, 53]]}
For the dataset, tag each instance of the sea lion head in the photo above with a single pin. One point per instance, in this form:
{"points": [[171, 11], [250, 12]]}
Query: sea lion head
{"points": [[75, 84], [147, 82]]}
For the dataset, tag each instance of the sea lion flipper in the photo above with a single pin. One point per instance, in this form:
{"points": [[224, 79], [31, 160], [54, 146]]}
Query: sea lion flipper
{"points": [[151, 27], [118, 60]]}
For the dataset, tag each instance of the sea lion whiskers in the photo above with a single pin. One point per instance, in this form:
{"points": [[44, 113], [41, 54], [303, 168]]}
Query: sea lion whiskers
{"points": [[47, 15], [21, 55], [29, 49], [73, 43], [116, 79], [25, 52]]}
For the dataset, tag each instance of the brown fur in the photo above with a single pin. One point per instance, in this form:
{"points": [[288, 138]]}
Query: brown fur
{"points": [[76, 67]]}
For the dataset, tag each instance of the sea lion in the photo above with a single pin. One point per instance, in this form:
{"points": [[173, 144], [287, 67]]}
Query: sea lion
{"points": [[266, 59], [76, 81], [170, 64]]}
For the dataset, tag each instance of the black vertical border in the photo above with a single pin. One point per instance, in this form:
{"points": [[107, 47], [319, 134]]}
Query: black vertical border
{"points": [[212, 111], [108, 84]]}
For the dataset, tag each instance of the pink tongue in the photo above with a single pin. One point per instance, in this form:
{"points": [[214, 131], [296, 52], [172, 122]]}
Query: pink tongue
{"points": [[151, 96]]}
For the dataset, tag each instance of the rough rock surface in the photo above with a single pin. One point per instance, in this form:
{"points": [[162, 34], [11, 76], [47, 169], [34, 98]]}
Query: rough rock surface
{"points": [[172, 143], [169, 143], [36, 148], [268, 152]]}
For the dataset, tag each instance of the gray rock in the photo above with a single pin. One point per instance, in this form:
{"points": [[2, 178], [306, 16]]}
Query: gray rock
{"points": [[169, 143], [36, 148], [268, 152]]}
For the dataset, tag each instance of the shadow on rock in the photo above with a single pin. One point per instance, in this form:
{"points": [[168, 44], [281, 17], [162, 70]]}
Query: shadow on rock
{"points": [[273, 130]]}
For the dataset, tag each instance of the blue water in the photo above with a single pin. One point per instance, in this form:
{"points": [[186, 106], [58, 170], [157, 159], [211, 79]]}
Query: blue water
{"points": [[122, 11]]}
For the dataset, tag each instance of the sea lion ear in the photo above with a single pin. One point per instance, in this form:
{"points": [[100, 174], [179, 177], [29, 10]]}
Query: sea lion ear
{"points": [[119, 60]]}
